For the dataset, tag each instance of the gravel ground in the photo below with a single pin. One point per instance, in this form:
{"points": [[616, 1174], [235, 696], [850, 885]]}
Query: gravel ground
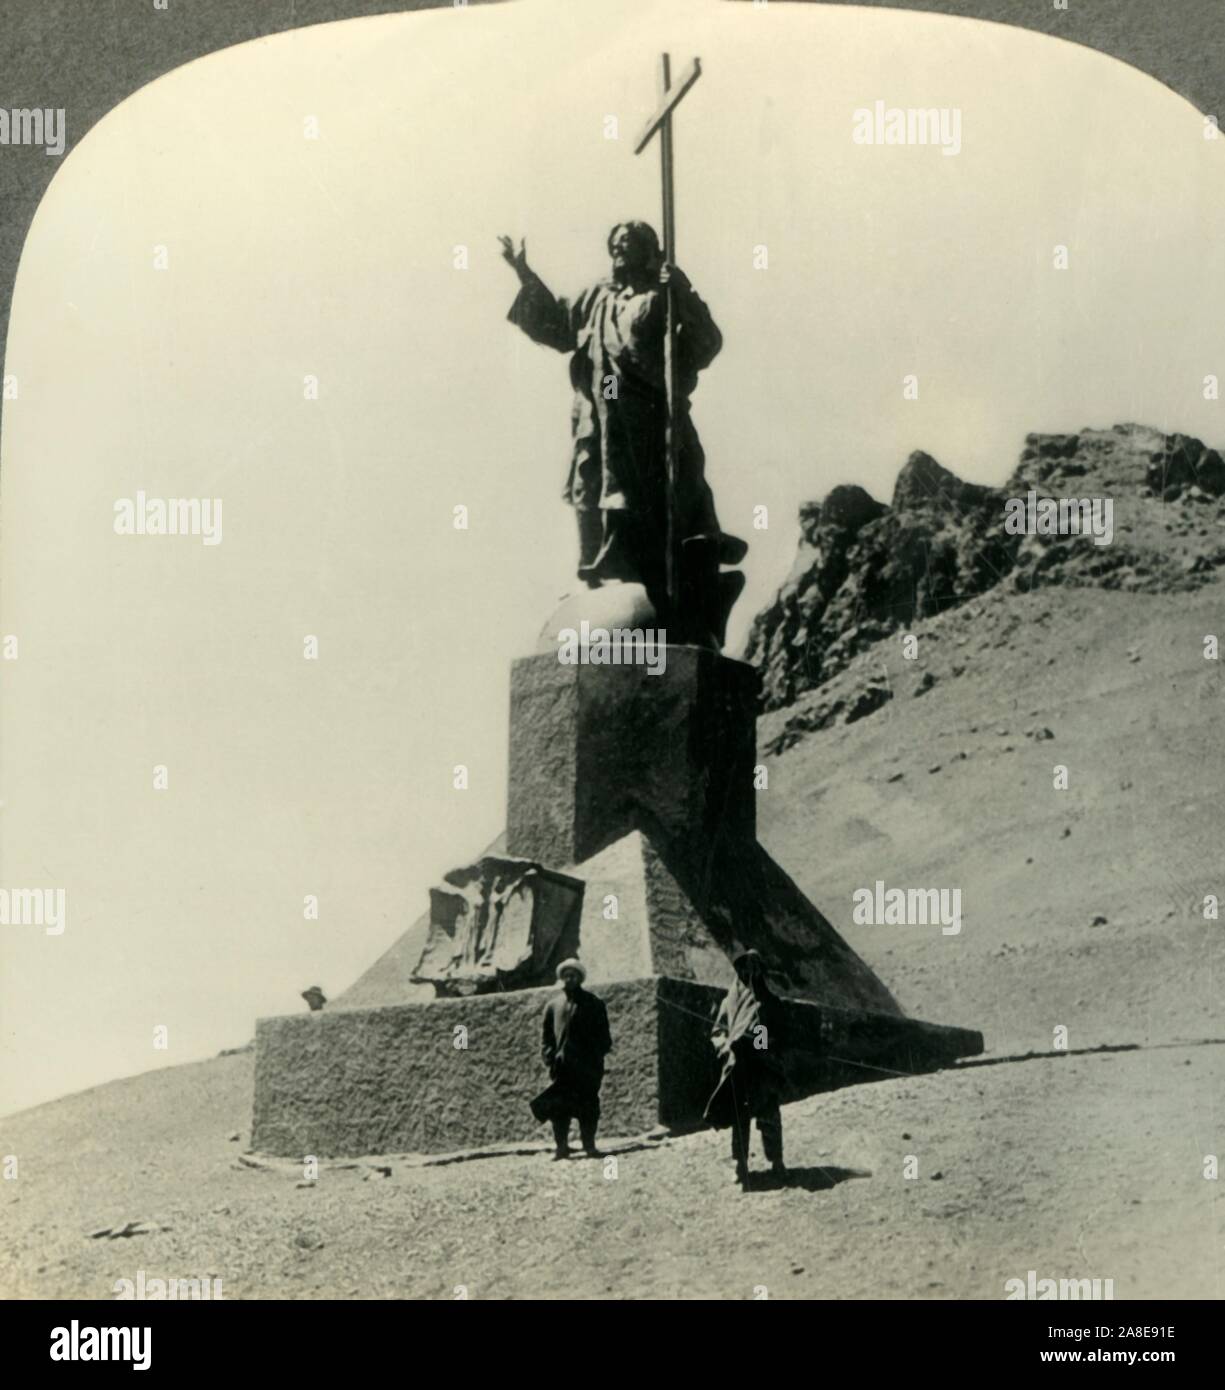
{"points": [[1076, 1166]]}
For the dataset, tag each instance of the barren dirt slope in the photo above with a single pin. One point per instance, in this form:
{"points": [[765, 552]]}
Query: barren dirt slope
{"points": [[950, 783]]}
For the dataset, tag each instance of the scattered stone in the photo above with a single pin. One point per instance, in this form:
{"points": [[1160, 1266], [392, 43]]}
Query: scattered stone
{"points": [[866, 701], [895, 777], [936, 1177], [935, 767], [138, 1227], [1098, 921], [235, 1137]]}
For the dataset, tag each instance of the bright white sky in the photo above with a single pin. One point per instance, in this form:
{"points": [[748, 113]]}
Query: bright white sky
{"points": [[333, 257]]}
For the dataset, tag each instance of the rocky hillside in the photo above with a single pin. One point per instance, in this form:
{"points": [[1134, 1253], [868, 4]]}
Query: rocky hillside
{"points": [[865, 570]]}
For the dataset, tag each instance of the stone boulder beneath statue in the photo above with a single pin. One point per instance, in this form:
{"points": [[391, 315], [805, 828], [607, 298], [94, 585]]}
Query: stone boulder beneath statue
{"points": [[612, 607]]}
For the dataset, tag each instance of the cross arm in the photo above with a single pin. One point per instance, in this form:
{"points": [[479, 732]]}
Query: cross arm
{"points": [[670, 100]]}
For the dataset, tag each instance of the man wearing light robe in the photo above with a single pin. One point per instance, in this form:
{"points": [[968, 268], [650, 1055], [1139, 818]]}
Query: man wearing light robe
{"points": [[617, 480], [748, 1039]]}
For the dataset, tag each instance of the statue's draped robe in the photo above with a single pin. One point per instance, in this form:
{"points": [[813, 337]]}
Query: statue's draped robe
{"points": [[617, 480]]}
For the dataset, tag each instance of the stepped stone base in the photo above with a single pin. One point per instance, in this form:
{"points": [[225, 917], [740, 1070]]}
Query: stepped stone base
{"points": [[680, 914], [392, 1080], [638, 792]]}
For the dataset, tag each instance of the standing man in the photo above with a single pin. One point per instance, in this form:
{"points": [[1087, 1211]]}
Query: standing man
{"points": [[576, 1040], [617, 481], [747, 1036]]}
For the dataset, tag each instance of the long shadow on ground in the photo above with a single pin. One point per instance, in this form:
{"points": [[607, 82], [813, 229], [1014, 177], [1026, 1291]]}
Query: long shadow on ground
{"points": [[807, 1179]]}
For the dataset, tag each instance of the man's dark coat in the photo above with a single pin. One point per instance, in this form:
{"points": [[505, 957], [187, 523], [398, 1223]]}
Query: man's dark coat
{"points": [[575, 1041]]}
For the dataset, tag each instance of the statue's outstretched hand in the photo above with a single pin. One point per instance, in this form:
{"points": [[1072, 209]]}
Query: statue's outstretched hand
{"points": [[517, 260]]}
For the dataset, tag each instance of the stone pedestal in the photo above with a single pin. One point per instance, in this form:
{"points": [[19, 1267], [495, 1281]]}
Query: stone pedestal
{"points": [[598, 751], [637, 790], [394, 1080]]}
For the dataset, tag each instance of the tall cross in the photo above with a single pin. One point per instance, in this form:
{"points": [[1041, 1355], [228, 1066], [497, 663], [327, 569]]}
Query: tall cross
{"points": [[661, 123]]}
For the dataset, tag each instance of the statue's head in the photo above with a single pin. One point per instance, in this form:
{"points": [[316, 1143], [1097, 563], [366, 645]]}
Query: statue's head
{"points": [[635, 251]]}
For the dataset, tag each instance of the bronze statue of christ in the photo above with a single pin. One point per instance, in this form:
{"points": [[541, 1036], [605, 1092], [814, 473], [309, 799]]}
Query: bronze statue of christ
{"points": [[617, 481]]}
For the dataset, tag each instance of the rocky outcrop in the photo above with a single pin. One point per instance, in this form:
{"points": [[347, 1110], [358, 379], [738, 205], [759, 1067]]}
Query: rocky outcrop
{"points": [[1184, 463], [865, 570]]}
